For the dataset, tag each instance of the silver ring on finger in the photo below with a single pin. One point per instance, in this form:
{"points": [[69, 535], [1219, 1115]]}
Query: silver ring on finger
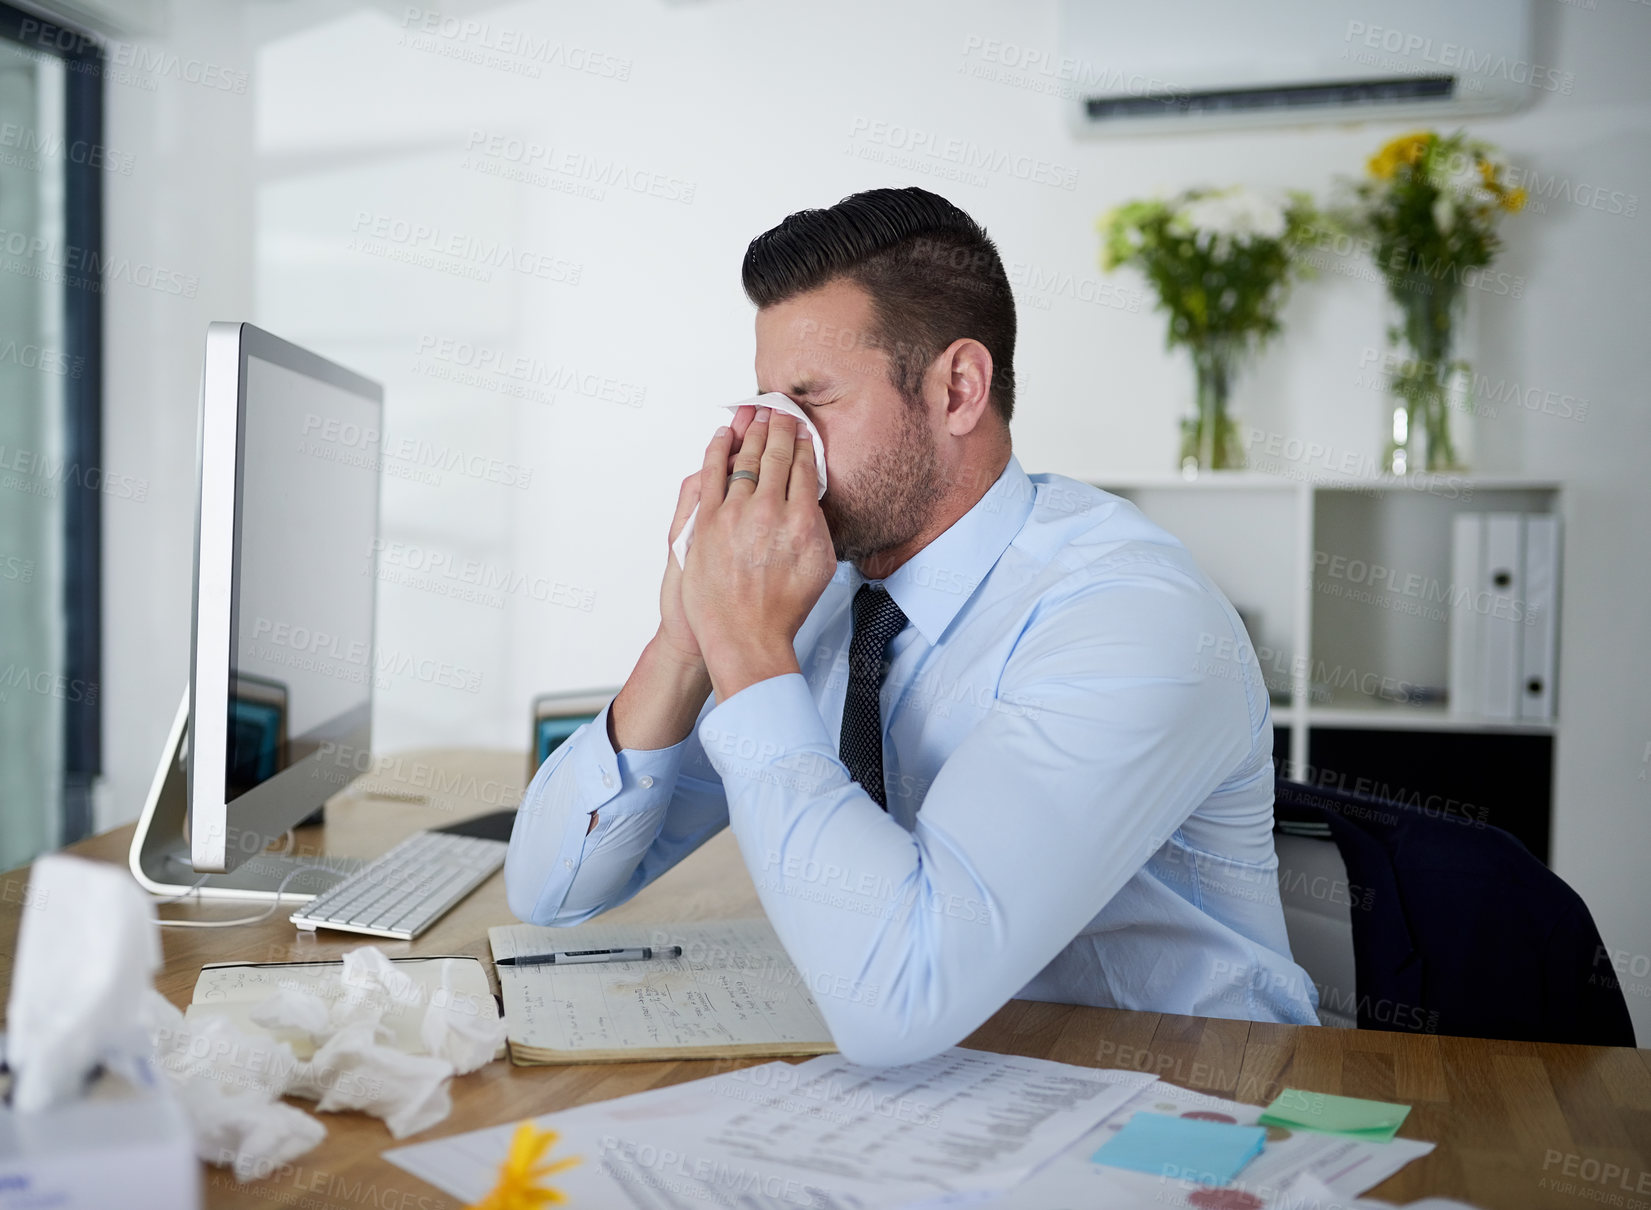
{"points": [[741, 474]]}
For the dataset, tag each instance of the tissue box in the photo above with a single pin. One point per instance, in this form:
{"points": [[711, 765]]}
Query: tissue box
{"points": [[125, 1144]]}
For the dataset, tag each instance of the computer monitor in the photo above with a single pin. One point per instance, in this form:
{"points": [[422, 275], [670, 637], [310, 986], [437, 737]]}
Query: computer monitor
{"points": [[279, 703]]}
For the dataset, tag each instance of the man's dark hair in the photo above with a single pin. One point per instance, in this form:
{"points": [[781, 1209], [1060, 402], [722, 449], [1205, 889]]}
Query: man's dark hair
{"points": [[933, 274]]}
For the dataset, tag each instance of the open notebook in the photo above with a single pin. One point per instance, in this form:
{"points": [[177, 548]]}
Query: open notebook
{"points": [[733, 993]]}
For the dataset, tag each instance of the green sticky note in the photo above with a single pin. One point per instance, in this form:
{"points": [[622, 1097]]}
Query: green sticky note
{"points": [[1372, 1121]]}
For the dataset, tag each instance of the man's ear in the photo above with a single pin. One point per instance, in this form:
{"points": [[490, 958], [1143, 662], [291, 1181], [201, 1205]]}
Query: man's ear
{"points": [[964, 372]]}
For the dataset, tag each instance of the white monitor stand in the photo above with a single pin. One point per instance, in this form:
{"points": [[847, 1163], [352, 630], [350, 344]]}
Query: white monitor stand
{"points": [[159, 857]]}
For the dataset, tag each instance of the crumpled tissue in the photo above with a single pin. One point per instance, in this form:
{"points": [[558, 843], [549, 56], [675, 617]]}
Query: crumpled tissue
{"points": [[89, 1122], [780, 403], [229, 1082], [464, 1029], [293, 1008], [86, 956], [84, 963], [353, 1068], [86, 952], [371, 977]]}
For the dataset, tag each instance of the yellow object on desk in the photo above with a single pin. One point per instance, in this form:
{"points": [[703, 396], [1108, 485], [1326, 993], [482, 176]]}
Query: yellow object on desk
{"points": [[520, 1175]]}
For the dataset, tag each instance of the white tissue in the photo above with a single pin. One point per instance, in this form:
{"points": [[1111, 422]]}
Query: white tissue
{"points": [[245, 1131], [352, 1068], [353, 1071], [460, 1028], [372, 988], [292, 1009], [370, 976], [216, 1051], [780, 403], [86, 953], [228, 1082]]}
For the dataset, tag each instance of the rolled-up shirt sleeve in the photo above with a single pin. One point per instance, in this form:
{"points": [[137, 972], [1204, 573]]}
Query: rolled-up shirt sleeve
{"points": [[651, 814]]}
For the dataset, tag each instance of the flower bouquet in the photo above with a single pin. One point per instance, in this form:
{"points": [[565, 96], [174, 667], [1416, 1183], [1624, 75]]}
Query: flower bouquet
{"points": [[1221, 261], [1428, 210]]}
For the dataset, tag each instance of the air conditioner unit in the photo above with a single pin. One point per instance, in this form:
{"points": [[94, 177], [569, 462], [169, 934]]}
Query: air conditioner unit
{"points": [[1182, 65]]}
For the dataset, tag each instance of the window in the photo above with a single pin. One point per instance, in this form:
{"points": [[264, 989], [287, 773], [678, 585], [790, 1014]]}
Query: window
{"points": [[51, 314]]}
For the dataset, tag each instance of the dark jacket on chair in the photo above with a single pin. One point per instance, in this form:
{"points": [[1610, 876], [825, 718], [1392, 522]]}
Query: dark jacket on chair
{"points": [[1466, 933]]}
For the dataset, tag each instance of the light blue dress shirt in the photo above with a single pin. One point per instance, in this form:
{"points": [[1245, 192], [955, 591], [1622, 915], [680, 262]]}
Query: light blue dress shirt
{"points": [[1078, 767]]}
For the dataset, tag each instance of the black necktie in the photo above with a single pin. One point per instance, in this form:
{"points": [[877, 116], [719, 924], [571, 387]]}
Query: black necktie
{"points": [[877, 619]]}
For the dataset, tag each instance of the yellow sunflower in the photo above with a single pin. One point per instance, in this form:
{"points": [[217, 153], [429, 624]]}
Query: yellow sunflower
{"points": [[519, 1186]]}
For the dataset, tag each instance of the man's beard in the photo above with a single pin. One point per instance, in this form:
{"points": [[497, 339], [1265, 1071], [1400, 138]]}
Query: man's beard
{"points": [[891, 499]]}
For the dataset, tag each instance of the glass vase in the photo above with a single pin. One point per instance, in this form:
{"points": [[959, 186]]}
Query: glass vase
{"points": [[1426, 381], [1209, 439]]}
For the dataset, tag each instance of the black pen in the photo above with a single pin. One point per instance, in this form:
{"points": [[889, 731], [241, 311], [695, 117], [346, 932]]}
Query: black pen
{"points": [[570, 957]]}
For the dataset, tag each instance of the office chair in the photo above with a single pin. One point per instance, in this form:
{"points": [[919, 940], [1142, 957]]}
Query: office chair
{"points": [[1458, 930], [1318, 906]]}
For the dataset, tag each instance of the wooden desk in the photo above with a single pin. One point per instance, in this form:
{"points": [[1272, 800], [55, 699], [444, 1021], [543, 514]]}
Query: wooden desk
{"points": [[1519, 1125]]}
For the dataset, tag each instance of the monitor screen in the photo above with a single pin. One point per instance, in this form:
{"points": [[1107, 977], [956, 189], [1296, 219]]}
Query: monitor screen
{"points": [[257, 736], [301, 620]]}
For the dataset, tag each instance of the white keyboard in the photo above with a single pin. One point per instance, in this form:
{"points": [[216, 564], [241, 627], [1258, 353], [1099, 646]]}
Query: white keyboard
{"points": [[405, 891]]}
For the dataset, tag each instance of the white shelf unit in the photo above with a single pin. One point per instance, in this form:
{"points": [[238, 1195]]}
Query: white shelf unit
{"points": [[1297, 557]]}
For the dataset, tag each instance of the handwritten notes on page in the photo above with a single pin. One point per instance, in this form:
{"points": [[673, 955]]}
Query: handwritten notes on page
{"points": [[732, 993]]}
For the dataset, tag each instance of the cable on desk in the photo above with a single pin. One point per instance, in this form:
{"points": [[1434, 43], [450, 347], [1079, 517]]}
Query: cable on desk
{"points": [[223, 924], [286, 847]]}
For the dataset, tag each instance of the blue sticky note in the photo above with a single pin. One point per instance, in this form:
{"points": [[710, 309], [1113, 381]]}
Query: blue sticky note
{"points": [[1185, 1149]]}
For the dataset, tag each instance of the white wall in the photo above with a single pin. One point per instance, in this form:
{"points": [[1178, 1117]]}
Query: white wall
{"points": [[181, 216], [757, 105]]}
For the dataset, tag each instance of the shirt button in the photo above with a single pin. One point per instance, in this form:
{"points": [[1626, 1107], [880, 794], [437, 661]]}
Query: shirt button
{"points": [[568, 861], [646, 781], [607, 779]]}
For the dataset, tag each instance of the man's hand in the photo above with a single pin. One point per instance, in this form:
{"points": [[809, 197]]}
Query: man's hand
{"points": [[761, 556], [664, 693], [675, 634]]}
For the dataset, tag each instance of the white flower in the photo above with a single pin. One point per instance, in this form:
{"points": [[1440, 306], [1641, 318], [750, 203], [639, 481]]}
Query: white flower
{"points": [[1444, 213], [1456, 173], [1234, 214]]}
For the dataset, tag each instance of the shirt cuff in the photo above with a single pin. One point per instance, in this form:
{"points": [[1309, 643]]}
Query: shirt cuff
{"points": [[773, 722], [630, 791], [638, 778]]}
